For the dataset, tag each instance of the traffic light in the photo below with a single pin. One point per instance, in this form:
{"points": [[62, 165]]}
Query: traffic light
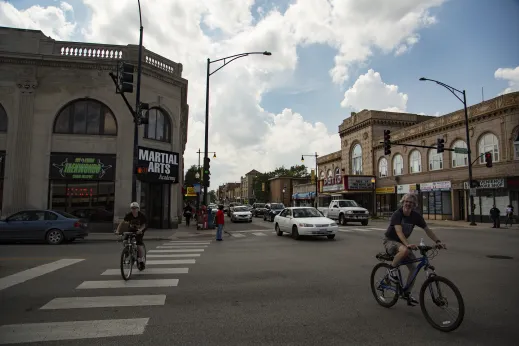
{"points": [[141, 170], [207, 173], [488, 159], [440, 145], [125, 78], [143, 114], [387, 142]]}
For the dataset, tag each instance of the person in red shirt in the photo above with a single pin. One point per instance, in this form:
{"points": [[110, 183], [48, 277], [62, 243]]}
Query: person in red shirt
{"points": [[220, 220]]}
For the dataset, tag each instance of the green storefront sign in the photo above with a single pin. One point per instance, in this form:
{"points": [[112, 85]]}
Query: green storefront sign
{"points": [[82, 167]]}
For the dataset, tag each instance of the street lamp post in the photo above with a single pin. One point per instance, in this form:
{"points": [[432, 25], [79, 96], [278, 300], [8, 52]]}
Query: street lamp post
{"points": [[197, 176], [226, 61], [316, 180], [464, 101]]}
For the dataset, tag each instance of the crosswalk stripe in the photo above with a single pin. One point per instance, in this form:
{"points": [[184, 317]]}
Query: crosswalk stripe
{"points": [[345, 230], [72, 330], [104, 302], [174, 255], [177, 250], [361, 230], [377, 229], [149, 271], [252, 230], [185, 244], [129, 284], [237, 235], [184, 261], [32, 273], [259, 233], [179, 247], [190, 242]]}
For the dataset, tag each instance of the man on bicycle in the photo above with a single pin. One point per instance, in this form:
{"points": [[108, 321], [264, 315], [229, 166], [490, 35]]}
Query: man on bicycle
{"points": [[137, 222], [396, 238]]}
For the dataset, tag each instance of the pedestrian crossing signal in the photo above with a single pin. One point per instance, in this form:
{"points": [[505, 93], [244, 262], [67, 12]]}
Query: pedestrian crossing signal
{"points": [[141, 170]]}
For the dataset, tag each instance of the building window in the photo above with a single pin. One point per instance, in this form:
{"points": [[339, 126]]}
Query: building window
{"points": [[329, 179], [159, 126], [382, 168], [398, 165], [356, 160], [435, 160], [3, 119], [86, 117], [459, 160], [338, 177], [516, 147], [415, 162], [489, 143]]}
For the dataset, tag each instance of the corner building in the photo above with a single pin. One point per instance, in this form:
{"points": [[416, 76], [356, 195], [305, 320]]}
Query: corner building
{"points": [[66, 137]]}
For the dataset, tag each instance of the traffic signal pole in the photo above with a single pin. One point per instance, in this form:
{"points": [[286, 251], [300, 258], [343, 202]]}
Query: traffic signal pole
{"points": [[137, 115]]}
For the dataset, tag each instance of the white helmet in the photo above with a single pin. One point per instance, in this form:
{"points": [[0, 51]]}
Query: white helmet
{"points": [[134, 205]]}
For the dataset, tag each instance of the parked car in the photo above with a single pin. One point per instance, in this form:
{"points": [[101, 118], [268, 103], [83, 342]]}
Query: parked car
{"points": [[304, 221], [52, 226], [272, 210], [241, 213], [346, 210]]}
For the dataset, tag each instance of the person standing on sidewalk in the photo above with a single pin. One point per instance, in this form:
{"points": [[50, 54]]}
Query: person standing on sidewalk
{"points": [[220, 221], [188, 213], [494, 215]]}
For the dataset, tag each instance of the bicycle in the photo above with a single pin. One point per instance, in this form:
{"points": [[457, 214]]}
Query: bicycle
{"points": [[129, 255], [431, 278]]}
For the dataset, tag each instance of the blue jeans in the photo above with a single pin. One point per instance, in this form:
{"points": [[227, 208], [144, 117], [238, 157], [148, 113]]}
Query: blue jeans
{"points": [[219, 230]]}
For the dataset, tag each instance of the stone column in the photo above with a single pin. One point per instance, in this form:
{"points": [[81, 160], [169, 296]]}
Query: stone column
{"points": [[20, 156]]}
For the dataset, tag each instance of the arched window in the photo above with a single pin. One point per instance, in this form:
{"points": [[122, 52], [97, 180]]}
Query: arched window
{"points": [[86, 117], [415, 162], [159, 126], [329, 178], [489, 143], [435, 160], [398, 165], [3, 119], [382, 168], [356, 160], [338, 177], [459, 160]]}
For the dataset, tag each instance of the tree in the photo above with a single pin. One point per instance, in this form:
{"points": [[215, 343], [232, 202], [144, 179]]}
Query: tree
{"points": [[212, 196], [190, 176]]}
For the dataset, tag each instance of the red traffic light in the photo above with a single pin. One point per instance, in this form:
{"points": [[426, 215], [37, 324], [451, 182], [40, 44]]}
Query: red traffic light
{"points": [[488, 159]]}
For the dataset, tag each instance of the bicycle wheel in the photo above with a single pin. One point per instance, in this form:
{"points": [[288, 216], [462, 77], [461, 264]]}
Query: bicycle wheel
{"points": [[126, 264], [439, 299], [382, 284]]}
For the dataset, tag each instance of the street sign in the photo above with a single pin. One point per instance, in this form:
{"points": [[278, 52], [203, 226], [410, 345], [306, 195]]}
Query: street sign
{"points": [[461, 150]]}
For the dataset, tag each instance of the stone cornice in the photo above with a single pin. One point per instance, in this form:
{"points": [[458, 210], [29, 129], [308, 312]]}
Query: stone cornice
{"points": [[335, 156], [374, 121]]}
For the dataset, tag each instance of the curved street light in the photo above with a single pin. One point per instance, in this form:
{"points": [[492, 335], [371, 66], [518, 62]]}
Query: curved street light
{"points": [[464, 101], [227, 60]]}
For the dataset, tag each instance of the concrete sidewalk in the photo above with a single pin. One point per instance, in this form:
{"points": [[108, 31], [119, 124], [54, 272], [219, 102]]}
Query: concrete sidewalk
{"points": [[453, 224], [157, 234]]}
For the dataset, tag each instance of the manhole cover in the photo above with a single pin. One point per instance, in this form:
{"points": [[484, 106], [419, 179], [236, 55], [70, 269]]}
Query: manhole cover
{"points": [[499, 257]]}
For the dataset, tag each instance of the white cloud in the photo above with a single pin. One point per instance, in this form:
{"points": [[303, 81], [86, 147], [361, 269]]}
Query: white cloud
{"points": [[244, 135], [51, 20], [65, 6], [370, 92], [510, 75]]}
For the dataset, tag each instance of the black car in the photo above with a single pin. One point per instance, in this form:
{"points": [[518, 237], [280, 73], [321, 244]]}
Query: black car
{"points": [[272, 210], [258, 209]]}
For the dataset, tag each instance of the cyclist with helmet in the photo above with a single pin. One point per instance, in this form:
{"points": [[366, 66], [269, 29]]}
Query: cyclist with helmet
{"points": [[137, 222]]}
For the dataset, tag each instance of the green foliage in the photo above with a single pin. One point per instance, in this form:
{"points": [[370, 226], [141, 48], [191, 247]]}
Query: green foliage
{"points": [[190, 177], [212, 196]]}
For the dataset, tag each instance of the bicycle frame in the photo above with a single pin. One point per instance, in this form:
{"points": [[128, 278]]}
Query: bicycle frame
{"points": [[423, 262]]}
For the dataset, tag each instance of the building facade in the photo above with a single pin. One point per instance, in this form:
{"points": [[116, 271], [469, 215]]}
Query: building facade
{"points": [[66, 138]]}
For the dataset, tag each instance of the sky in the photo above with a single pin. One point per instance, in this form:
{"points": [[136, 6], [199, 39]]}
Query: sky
{"points": [[329, 58]]}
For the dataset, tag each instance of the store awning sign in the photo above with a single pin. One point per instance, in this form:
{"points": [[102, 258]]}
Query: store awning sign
{"points": [[82, 167], [160, 165]]}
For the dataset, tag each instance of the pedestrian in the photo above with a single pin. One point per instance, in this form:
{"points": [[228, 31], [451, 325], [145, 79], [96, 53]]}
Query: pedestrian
{"points": [[220, 221], [509, 215], [188, 212], [494, 215]]}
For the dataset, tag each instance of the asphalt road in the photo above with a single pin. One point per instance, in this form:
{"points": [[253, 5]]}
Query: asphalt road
{"points": [[250, 290]]}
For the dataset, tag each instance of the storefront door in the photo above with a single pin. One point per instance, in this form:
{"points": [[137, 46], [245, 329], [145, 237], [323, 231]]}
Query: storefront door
{"points": [[155, 203], [461, 205]]}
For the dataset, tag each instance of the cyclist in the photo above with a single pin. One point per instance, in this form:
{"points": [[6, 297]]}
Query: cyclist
{"points": [[137, 222], [396, 238]]}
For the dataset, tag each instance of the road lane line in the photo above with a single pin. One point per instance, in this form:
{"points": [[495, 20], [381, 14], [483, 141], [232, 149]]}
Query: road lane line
{"points": [[128, 284], [259, 233], [377, 229], [252, 230], [149, 271], [185, 261], [179, 247], [361, 230], [104, 302], [32, 273], [237, 235], [174, 255], [345, 230], [190, 242], [74, 330], [181, 250], [185, 244]]}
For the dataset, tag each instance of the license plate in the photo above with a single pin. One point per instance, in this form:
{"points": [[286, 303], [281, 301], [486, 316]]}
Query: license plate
{"points": [[323, 230]]}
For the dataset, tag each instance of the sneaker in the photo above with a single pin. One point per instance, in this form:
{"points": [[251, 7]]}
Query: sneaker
{"points": [[411, 301], [393, 275]]}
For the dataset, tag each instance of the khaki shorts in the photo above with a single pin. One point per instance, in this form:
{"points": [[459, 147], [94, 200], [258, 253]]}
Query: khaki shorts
{"points": [[392, 247]]}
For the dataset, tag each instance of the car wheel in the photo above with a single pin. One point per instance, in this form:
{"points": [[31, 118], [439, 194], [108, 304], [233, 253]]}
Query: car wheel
{"points": [[54, 237], [278, 231], [364, 223], [295, 233], [331, 236], [341, 219]]}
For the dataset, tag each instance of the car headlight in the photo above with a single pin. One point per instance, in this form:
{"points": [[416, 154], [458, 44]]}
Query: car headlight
{"points": [[349, 212], [305, 225], [333, 224]]}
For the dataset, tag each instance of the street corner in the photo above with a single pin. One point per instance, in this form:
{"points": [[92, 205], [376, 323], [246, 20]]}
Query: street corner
{"points": [[193, 233]]}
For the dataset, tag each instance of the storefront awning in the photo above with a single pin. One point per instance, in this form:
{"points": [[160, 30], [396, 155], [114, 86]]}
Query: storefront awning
{"points": [[305, 195]]}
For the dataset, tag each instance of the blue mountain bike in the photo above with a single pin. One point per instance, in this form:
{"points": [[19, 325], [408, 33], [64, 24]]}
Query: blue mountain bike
{"points": [[381, 284]]}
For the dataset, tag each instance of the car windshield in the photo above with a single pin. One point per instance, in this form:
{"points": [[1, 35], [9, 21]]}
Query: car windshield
{"points": [[67, 215], [347, 204], [260, 205], [306, 212], [277, 206], [241, 209]]}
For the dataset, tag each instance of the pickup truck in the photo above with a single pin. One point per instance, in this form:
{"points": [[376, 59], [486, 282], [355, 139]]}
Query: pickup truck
{"points": [[346, 210]]}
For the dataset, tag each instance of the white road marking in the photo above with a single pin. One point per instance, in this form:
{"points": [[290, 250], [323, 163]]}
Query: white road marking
{"points": [[32, 273], [181, 250], [237, 235], [190, 242], [184, 261], [345, 230], [251, 230], [149, 271], [186, 244], [130, 283], [378, 229], [174, 255], [179, 247], [104, 302], [361, 230], [53, 331], [259, 233]]}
